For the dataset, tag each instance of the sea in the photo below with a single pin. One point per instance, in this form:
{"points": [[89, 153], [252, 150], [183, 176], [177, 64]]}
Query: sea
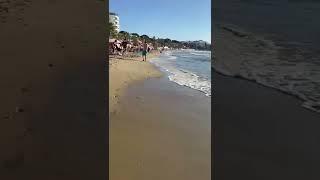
{"points": [[287, 34], [187, 67]]}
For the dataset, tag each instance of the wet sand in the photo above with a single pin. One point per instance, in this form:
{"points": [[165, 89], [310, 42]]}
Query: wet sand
{"points": [[160, 131], [262, 133]]}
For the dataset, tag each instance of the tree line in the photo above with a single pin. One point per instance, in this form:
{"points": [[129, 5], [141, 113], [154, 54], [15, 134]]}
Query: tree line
{"points": [[156, 42]]}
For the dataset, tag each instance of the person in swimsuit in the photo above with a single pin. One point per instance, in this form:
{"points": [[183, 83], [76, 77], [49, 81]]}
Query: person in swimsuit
{"points": [[124, 44], [144, 52]]}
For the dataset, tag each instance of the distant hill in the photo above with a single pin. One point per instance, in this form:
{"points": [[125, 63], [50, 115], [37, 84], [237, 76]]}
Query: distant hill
{"points": [[199, 44]]}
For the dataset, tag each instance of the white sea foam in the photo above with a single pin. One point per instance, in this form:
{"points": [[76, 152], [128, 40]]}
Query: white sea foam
{"points": [[191, 80], [182, 75], [260, 60], [172, 57], [201, 54]]}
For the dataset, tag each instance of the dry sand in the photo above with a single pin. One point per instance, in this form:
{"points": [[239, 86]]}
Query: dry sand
{"points": [[53, 90], [124, 71]]}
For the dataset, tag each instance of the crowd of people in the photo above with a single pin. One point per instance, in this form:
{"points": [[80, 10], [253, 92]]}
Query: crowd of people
{"points": [[117, 47]]}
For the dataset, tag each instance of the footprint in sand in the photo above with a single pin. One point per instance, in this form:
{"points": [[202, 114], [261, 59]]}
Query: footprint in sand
{"points": [[113, 113], [140, 164], [84, 43], [27, 131], [6, 116], [25, 90], [19, 110], [15, 162], [140, 98]]}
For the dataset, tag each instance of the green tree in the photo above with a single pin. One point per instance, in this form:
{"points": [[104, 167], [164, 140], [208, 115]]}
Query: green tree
{"points": [[161, 42], [175, 41], [135, 40], [135, 34], [167, 42], [124, 35], [147, 38], [134, 37], [154, 42]]}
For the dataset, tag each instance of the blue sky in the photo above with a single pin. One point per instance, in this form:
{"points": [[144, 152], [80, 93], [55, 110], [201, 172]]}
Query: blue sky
{"points": [[175, 19]]}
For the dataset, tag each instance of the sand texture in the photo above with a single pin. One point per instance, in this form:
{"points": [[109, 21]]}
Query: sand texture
{"points": [[261, 132], [53, 90], [124, 71], [161, 131]]}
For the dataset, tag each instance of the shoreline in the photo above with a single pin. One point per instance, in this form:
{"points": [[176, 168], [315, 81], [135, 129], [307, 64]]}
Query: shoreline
{"points": [[157, 124], [239, 77], [253, 58]]}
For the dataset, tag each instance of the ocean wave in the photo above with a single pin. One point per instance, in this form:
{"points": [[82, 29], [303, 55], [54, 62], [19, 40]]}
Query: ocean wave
{"points": [[182, 76], [167, 53], [191, 80], [309, 97], [172, 57], [262, 61], [201, 54]]}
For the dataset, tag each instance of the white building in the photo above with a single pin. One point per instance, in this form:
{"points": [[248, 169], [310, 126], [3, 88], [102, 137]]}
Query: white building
{"points": [[114, 18]]}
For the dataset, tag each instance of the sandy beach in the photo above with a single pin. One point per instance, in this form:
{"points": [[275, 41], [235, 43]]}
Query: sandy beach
{"points": [[158, 129], [53, 90], [124, 71]]}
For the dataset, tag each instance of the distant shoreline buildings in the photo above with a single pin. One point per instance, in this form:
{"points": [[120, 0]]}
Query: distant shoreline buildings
{"points": [[114, 18]]}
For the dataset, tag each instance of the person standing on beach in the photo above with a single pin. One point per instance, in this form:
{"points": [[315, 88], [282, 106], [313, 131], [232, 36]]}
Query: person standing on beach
{"points": [[144, 52], [124, 45]]}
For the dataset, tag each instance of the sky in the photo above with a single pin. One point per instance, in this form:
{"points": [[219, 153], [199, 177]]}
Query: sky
{"points": [[181, 20]]}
